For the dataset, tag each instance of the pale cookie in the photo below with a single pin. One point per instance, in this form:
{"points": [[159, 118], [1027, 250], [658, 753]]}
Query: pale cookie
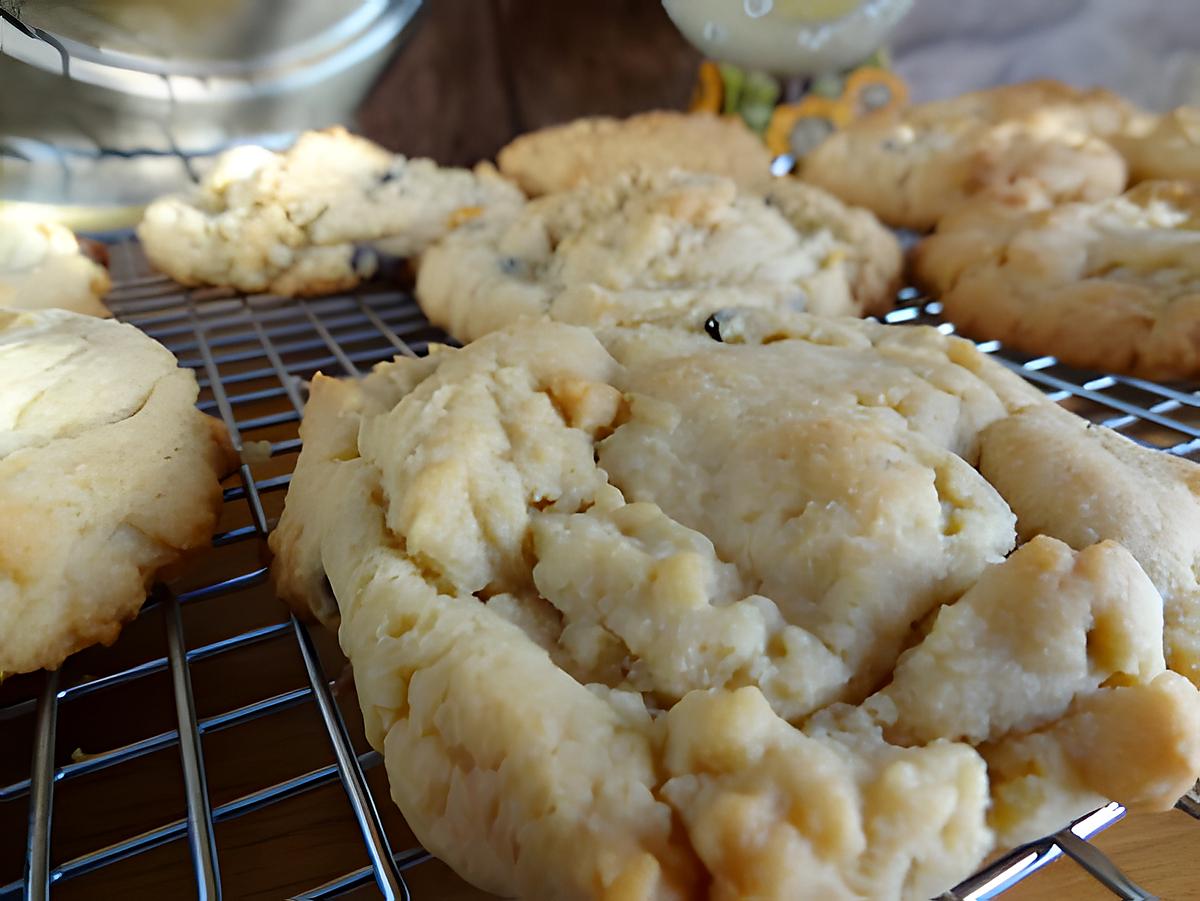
{"points": [[594, 586], [648, 246], [1084, 484], [1036, 699], [1076, 482], [1111, 286], [108, 474], [911, 166], [1162, 147], [315, 218], [42, 266], [595, 149]]}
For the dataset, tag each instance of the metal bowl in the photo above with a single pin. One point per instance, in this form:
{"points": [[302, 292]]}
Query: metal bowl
{"points": [[109, 103]]}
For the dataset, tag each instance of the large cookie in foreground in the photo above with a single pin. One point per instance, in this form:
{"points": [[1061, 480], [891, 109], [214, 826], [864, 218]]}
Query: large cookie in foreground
{"points": [[641, 614], [652, 246], [108, 474]]}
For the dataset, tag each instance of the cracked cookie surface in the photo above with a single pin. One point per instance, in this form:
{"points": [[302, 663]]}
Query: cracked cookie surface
{"points": [[652, 246], [912, 166], [595, 149], [639, 614], [1111, 286], [108, 473], [313, 219], [42, 266]]}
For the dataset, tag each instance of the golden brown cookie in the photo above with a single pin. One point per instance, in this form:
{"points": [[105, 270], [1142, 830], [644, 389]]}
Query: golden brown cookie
{"points": [[912, 166], [1112, 285], [595, 149]]}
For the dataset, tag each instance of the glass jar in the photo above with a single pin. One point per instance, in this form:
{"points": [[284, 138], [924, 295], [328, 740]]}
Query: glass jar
{"points": [[787, 37]]}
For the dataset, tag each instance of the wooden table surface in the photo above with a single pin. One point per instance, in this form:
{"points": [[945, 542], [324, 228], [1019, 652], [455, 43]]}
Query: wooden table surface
{"points": [[476, 73], [1158, 852]]}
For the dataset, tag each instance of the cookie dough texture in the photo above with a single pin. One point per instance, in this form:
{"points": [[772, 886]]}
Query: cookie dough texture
{"points": [[1162, 147], [1048, 464], [913, 165], [108, 473], [42, 266], [980, 677], [638, 614], [654, 246], [1113, 285], [315, 218], [595, 149]]}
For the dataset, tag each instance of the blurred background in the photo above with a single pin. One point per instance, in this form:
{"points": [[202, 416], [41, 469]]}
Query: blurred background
{"points": [[479, 71], [105, 103]]}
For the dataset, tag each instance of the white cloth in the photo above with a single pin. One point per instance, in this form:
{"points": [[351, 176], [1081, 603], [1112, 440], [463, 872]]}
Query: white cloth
{"points": [[1148, 51]]}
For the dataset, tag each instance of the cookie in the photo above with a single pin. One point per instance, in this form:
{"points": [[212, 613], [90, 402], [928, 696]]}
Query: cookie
{"points": [[42, 266], [595, 149], [314, 219], [108, 474], [982, 676], [913, 165], [645, 246], [1162, 147], [1049, 464], [1112, 285], [641, 613]]}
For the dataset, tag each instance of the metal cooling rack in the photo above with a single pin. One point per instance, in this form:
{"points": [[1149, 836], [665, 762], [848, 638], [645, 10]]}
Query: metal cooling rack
{"points": [[251, 354]]}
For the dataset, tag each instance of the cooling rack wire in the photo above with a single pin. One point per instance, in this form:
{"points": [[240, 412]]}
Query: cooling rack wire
{"points": [[214, 750]]}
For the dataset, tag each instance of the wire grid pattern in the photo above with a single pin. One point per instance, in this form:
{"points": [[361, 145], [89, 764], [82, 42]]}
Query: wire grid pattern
{"points": [[237, 343]]}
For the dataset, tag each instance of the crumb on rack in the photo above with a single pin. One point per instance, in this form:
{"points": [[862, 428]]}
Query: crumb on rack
{"points": [[255, 452]]}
